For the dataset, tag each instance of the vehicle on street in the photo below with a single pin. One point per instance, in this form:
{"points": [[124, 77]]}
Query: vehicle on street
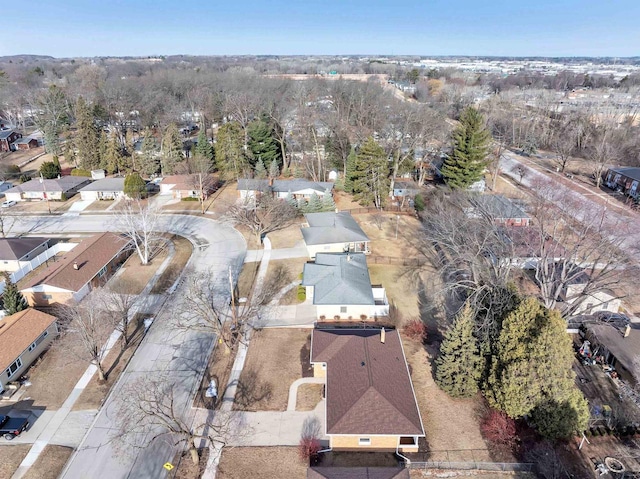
{"points": [[8, 204], [11, 427]]}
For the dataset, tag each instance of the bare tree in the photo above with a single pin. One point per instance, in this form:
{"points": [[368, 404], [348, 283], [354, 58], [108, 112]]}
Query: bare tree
{"points": [[198, 170], [601, 152], [153, 411], [139, 222], [87, 324], [263, 214], [120, 305], [563, 143]]}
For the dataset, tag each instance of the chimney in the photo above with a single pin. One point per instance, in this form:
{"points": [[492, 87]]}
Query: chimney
{"points": [[627, 331], [75, 266], [382, 335]]}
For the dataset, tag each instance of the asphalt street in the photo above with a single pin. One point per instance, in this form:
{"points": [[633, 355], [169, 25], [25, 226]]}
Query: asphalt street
{"points": [[174, 356]]}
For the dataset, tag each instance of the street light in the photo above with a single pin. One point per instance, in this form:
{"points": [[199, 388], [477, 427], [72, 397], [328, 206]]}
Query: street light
{"points": [[44, 191]]}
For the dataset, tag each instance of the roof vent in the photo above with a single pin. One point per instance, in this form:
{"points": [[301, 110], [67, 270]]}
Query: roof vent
{"points": [[75, 266], [382, 335]]}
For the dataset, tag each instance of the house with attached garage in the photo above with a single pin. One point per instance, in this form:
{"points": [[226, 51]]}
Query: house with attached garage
{"points": [[55, 189], [25, 143], [23, 337], [623, 179], [13, 251], [341, 289], [187, 186], [370, 401], [7, 138], [331, 232], [104, 189], [297, 188], [73, 276]]}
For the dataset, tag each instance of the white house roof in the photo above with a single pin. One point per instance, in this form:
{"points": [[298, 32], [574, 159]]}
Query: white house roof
{"points": [[284, 186], [105, 184]]}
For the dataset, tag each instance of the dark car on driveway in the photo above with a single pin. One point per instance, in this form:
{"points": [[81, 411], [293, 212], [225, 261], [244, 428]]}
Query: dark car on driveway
{"points": [[11, 427]]}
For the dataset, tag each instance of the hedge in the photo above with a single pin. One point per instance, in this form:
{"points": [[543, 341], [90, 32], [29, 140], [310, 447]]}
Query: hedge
{"points": [[80, 172]]}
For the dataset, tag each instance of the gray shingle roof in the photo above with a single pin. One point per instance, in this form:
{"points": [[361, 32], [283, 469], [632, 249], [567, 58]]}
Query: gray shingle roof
{"points": [[16, 248], [328, 228], [105, 184], [498, 207], [633, 173], [23, 141], [339, 278], [64, 183], [283, 186], [4, 134]]}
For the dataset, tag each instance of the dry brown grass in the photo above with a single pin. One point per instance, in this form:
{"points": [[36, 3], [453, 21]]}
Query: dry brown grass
{"points": [[246, 279], [309, 395], [50, 463], [135, 275], [96, 391], [218, 369], [10, 458], [261, 463], [183, 250], [344, 201], [292, 270], [383, 238], [450, 424], [186, 469], [401, 290], [276, 358], [100, 205], [418, 474], [288, 237]]}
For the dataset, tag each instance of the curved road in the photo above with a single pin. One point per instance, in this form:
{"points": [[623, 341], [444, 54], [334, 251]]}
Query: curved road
{"points": [[166, 353]]}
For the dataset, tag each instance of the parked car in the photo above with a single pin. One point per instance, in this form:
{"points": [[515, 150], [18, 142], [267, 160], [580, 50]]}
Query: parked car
{"points": [[11, 427], [8, 203], [609, 317]]}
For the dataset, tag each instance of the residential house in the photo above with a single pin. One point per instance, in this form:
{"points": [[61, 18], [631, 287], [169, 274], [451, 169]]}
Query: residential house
{"points": [[370, 401], [592, 301], [4, 186], [297, 188], [623, 179], [104, 189], [357, 473], [23, 337], [523, 247], [341, 289], [187, 186], [7, 138], [85, 267], [55, 189], [15, 250], [25, 143], [98, 174], [405, 188], [331, 232], [618, 346], [499, 210]]}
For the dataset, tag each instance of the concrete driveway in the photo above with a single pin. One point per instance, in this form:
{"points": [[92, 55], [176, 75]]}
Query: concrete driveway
{"points": [[174, 356]]}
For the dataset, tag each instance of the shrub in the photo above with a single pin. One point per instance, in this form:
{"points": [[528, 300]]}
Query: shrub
{"points": [[302, 293], [80, 172], [134, 186], [418, 202], [415, 330], [498, 428], [50, 170], [189, 198], [308, 449], [24, 178]]}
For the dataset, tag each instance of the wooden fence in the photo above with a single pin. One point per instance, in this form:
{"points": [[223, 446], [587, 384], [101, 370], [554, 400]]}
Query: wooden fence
{"points": [[408, 261], [473, 465], [396, 210]]}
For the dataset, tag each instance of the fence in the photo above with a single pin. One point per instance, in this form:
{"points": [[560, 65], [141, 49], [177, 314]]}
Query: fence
{"points": [[395, 260], [479, 466], [388, 209]]}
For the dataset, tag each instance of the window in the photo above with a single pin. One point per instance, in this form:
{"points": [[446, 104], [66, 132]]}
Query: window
{"points": [[343, 309], [41, 338], [32, 347], [102, 272], [605, 305], [364, 441], [11, 370], [46, 296]]}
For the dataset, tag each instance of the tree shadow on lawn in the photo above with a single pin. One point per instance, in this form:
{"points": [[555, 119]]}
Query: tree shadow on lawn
{"points": [[251, 390]]}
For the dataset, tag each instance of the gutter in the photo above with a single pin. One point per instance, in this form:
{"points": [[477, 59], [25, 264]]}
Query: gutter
{"points": [[406, 459]]}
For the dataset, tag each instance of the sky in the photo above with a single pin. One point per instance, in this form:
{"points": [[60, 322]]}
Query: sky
{"points": [[86, 28]]}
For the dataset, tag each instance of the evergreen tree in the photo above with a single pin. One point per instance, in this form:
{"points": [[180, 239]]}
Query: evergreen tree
{"points": [[291, 200], [171, 150], [274, 171], [263, 143], [12, 299], [204, 149], [70, 154], [315, 204], [260, 171], [87, 139], [134, 186], [471, 141], [328, 203], [371, 175], [103, 146], [459, 366], [298, 172], [302, 204], [230, 158], [149, 163], [350, 172], [49, 170], [113, 159]]}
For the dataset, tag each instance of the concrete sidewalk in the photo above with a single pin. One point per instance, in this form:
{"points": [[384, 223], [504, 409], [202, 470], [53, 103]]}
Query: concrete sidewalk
{"points": [[255, 255]]}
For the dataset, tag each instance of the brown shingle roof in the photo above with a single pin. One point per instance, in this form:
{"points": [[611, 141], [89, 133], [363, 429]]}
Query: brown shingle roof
{"points": [[357, 473], [181, 182], [18, 331], [369, 390], [91, 255], [16, 248]]}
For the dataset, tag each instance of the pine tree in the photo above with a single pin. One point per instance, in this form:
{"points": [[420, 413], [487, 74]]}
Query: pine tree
{"points": [[204, 149], [262, 142], [371, 175], [113, 159], [230, 158], [260, 171], [274, 170], [12, 299], [315, 204], [350, 172], [134, 186], [298, 172], [49, 170], [302, 204], [103, 146], [459, 366], [471, 141], [87, 139], [328, 203], [171, 150], [291, 200], [149, 163]]}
